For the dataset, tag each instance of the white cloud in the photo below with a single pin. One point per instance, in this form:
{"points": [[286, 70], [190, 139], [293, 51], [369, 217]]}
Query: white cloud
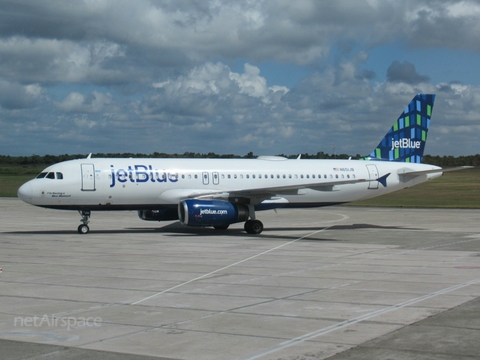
{"points": [[161, 73], [96, 102], [18, 96], [250, 82], [217, 79]]}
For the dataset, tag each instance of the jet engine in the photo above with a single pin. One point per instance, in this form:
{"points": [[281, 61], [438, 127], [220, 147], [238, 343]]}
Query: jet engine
{"points": [[216, 213]]}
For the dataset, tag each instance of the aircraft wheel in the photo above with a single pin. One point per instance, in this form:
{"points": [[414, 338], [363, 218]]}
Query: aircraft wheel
{"points": [[221, 227], [83, 229], [253, 226]]}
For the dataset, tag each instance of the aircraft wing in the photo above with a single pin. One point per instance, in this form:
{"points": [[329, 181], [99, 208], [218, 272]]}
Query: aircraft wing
{"points": [[257, 195]]}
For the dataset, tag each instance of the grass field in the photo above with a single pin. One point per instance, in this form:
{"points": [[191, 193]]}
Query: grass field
{"points": [[457, 189], [11, 177]]}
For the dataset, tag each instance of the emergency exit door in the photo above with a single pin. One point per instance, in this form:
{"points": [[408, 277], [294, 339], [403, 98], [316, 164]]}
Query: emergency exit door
{"points": [[373, 174]]}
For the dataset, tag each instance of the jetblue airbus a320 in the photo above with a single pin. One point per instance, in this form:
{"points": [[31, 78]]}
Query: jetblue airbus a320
{"points": [[220, 192]]}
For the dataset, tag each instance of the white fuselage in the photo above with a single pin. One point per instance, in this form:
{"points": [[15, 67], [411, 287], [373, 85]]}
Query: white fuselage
{"points": [[148, 183]]}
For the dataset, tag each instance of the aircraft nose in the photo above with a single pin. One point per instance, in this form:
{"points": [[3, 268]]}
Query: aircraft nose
{"points": [[25, 192]]}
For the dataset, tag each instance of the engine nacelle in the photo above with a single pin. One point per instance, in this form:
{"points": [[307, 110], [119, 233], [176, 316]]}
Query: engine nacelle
{"points": [[211, 212], [158, 215]]}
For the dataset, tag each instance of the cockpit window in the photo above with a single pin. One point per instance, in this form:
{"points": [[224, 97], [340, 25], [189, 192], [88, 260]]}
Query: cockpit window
{"points": [[50, 175]]}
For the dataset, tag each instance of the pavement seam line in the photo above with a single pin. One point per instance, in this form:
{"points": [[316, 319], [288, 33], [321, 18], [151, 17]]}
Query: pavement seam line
{"points": [[229, 266], [348, 322]]}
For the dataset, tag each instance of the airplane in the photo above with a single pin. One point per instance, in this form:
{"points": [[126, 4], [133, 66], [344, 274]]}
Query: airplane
{"points": [[220, 192]]}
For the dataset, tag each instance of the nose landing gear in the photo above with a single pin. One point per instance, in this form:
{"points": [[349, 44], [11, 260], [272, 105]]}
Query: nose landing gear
{"points": [[83, 228]]}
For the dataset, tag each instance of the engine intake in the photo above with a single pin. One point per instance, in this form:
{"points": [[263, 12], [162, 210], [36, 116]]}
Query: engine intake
{"points": [[211, 212]]}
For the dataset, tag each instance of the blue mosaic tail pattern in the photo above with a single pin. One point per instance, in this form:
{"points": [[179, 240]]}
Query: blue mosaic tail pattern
{"points": [[405, 141]]}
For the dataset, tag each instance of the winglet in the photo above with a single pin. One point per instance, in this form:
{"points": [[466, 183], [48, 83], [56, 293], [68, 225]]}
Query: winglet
{"points": [[383, 179]]}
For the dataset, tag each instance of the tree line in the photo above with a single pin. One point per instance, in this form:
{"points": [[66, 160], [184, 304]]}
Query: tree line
{"points": [[35, 160]]}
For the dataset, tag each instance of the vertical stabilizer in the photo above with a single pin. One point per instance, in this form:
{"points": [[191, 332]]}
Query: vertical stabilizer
{"points": [[405, 141]]}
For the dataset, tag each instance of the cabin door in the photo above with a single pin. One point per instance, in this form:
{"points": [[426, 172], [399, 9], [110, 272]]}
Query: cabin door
{"points": [[88, 177], [373, 174]]}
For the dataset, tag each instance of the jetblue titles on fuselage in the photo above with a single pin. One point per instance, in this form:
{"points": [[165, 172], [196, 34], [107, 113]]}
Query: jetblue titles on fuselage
{"points": [[140, 174]]}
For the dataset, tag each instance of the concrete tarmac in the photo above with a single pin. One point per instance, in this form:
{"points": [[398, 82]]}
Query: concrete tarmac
{"points": [[330, 283]]}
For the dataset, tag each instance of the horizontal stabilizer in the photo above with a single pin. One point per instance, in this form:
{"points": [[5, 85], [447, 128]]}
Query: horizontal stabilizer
{"points": [[410, 172]]}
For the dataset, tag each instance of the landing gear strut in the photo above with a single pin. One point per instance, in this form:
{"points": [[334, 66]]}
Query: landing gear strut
{"points": [[253, 226], [83, 227]]}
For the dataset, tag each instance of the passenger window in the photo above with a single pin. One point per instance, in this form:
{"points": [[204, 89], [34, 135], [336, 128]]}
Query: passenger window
{"points": [[59, 176]]}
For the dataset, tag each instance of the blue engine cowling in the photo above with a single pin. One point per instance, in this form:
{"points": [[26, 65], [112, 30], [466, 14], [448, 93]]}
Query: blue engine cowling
{"points": [[158, 215], [211, 212]]}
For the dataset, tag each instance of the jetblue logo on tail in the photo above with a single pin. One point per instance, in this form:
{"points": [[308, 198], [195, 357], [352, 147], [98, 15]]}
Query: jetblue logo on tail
{"points": [[405, 144], [405, 141]]}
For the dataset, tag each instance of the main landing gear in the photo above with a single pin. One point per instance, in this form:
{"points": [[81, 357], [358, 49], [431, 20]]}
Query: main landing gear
{"points": [[83, 228], [253, 226]]}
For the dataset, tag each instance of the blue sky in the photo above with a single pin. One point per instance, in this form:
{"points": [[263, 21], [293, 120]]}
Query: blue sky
{"points": [[228, 77]]}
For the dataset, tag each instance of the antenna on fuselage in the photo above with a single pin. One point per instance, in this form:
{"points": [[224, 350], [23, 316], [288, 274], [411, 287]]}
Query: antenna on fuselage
{"points": [[89, 156]]}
